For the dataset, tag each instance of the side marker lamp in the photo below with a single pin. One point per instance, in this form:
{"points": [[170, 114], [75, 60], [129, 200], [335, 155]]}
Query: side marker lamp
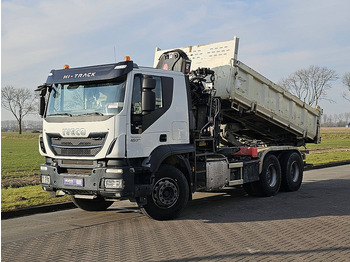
{"points": [[114, 171]]}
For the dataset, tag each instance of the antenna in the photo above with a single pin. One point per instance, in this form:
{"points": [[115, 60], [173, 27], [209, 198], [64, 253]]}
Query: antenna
{"points": [[115, 56]]}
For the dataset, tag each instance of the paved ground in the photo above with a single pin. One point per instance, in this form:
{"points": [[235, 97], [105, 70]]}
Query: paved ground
{"points": [[312, 224]]}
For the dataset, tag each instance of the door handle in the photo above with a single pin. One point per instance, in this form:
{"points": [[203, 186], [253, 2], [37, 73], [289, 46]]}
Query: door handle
{"points": [[163, 138]]}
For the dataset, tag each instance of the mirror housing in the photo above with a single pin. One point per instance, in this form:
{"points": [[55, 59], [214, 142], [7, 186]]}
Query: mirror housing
{"points": [[42, 104], [42, 90], [148, 96]]}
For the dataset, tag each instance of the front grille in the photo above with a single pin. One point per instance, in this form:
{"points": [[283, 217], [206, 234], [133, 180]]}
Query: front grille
{"points": [[77, 146], [79, 171], [77, 162]]}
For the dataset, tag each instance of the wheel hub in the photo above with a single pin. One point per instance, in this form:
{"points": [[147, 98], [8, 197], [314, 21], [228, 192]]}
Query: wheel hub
{"points": [[165, 193], [294, 172], [271, 176]]}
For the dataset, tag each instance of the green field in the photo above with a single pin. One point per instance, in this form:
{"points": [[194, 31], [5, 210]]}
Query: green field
{"points": [[20, 155], [334, 147], [20, 165], [20, 172], [27, 196]]}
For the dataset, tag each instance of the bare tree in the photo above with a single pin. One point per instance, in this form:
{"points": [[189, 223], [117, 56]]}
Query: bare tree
{"points": [[19, 101], [346, 82], [310, 85]]}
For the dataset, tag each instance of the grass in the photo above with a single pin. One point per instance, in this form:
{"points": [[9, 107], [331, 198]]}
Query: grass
{"points": [[16, 198], [20, 165], [20, 155], [334, 147], [20, 172], [329, 157]]}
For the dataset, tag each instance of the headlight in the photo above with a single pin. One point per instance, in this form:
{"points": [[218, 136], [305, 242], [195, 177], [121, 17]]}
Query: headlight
{"points": [[113, 183], [45, 179]]}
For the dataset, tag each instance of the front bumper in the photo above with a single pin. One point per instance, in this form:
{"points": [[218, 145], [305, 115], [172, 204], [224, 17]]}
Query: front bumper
{"points": [[109, 182]]}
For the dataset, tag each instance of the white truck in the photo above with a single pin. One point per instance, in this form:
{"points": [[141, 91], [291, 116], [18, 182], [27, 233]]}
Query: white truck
{"points": [[157, 135]]}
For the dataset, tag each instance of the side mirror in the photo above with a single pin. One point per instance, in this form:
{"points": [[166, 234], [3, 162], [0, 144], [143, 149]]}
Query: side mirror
{"points": [[148, 96], [42, 104], [42, 90]]}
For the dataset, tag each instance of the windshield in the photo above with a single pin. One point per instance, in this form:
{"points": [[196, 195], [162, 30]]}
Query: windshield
{"points": [[86, 99]]}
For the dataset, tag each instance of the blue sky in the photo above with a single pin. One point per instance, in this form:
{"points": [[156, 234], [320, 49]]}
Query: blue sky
{"points": [[276, 37]]}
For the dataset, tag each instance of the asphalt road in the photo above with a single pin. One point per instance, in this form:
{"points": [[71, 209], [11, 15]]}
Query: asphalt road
{"points": [[312, 224]]}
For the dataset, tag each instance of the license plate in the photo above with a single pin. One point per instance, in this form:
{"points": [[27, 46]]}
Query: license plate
{"points": [[73, 181]]}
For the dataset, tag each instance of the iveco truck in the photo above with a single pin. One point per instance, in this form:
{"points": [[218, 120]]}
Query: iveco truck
{"points": [[199, 120]]}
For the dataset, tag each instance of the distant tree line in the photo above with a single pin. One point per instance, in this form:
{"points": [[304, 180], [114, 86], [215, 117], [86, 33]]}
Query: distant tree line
{"points": [[27, 125], [335, 120]]}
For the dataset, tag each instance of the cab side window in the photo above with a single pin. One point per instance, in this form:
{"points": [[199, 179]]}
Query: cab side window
{"points": [[140, 122], [158, 91], [136, 96]]}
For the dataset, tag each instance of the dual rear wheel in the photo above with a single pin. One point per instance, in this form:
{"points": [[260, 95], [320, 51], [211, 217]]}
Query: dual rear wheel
{"points": [[276, 175]]}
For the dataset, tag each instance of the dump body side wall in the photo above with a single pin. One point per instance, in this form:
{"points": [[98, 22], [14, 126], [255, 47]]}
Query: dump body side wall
{"points": [[274, 104]]}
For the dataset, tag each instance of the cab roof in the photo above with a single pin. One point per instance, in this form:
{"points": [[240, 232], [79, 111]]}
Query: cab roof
{"points": [[90, 73]]}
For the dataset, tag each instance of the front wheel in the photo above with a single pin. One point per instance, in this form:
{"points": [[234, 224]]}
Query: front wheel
{"points": [[97, 204], [169, 194]]}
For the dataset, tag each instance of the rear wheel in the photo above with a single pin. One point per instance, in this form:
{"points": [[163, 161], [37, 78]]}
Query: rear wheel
{"points": [[292, 172], [97, 204], [169, 194], [270, 177]]}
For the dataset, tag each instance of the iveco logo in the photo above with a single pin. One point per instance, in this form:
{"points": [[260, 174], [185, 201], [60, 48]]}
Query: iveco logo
{"points": [[73, 131]]}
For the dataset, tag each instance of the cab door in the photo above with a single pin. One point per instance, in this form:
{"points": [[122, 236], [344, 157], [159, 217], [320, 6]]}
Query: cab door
{"points": [[148, 130]]}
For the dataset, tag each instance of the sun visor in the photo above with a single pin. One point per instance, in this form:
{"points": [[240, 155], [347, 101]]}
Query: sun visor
{"points": [[90, 73]]}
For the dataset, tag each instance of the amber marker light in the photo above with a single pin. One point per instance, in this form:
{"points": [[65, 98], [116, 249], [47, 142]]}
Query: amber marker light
{"points": [[66, 67], [127, 58]]}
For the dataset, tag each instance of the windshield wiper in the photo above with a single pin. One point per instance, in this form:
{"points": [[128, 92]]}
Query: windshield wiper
{"points": [[92, 113], [61, 114]]}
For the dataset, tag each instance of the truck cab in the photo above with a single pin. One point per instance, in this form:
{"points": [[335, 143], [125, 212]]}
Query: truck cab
{"points": [[103, 126]]}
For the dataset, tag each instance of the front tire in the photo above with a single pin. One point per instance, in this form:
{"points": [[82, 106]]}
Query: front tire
{"points": [[97, 204], [169, 194]]}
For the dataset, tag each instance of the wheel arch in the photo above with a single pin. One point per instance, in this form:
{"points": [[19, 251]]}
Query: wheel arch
{"points": [[175, 155], [182, 163], [279, 152]]}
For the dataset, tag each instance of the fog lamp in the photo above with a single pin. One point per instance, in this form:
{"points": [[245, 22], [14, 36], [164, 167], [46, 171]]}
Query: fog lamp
{"points": [[113, 183]]}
